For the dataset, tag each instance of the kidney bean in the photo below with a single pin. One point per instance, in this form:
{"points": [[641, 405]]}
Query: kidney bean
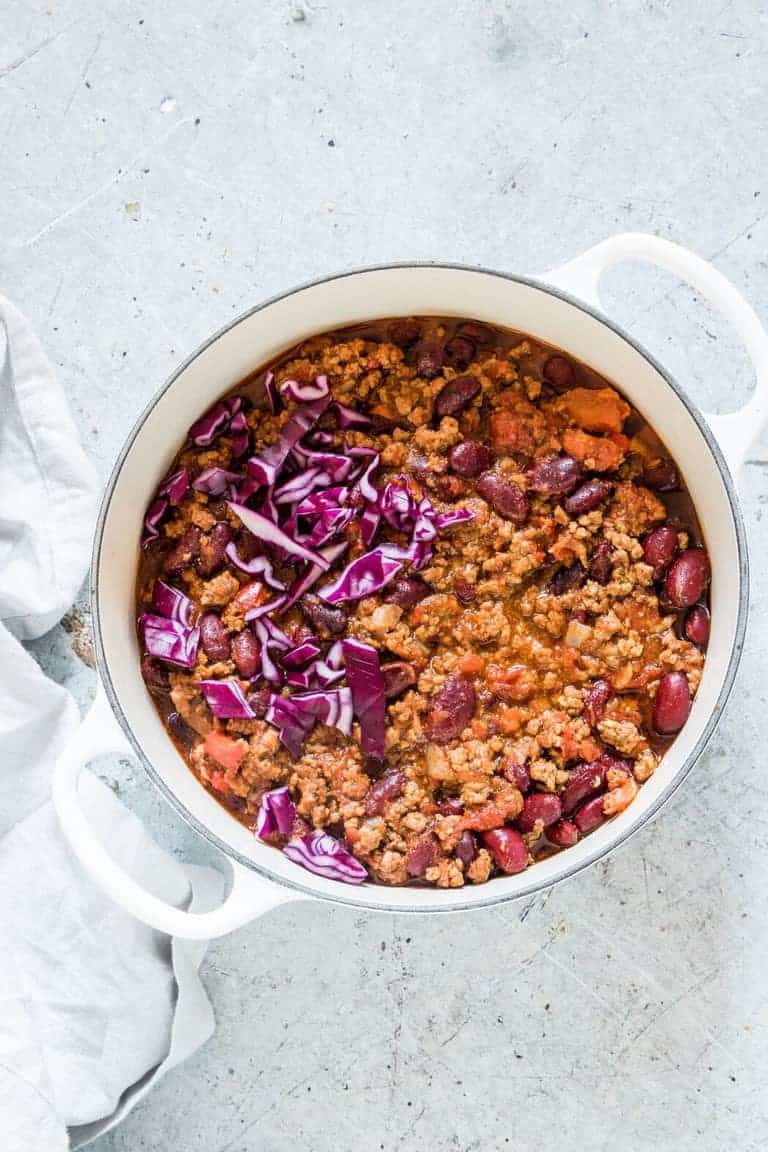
{"points": [[466, 847], [466, 593], [459, 351], [659, 548], [590, 815], [450, 806], [184, 552], [469, 458], [422, 855], [687, 578], [451, 709], [559, 373], [475, 331], [389, 787], [672, 703], [553, 474], [661, 475], [601, 562], [517, 774], [429, 359], [566, 579], [595, 701], [508, 849], [180, 729], [406, 591], [327, 618], [456, 395], [246, 654], [563, 834], [542, 806], [504, 496], [155, 675], [388, 421], [211, 556], [259, 702], [404, 332], [398, 676], [214, 638], [696, 626], [584, 780], [587, 497]]}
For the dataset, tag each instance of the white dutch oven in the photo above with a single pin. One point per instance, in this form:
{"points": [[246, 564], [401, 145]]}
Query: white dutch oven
{"points": [[561, 308]]}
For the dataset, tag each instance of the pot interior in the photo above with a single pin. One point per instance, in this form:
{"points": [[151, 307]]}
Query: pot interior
{"points": [[353, 298]]}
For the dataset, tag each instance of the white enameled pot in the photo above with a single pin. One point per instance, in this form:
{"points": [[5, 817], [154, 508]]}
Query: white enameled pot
{"points": [[560, 308]]}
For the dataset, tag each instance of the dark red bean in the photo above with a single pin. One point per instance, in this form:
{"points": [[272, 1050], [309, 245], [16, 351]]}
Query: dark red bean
{"points": [[687, 578], [466, 847], [179, 728], [466, 593], [659, 548], [155, 675], [214, 638], [404, 333], [328, 619], [661, 475], [389, 787], [584, 780], [246, 654], [672, 703], [517, 774], [587, 497], [458, 352], [211, 556], [543, 806], [450, 806], [508, 849], [504, 496], [566, 579], [553, 474], [475, 332], [558, 372], [259, 702], [601, 562], [456, 395], [184, 552], [398, 677], [590, 815], [422, 855], [469, 458], [595, 702], [406, 591], [563, 834], [696, 626], [429, 359], [451, 709], [387, 422]]}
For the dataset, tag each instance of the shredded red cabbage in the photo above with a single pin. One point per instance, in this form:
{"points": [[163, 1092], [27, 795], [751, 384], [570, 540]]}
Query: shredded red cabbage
{"points": [[171, 603], [169, 640], [365, 483], [326, 856], [321, 501], [175, 487], [241, 437], [172, 491], [269, 532], [276, 813], [215, 421], [329, 524], [305, 393], [300, 486], [443, 520], [336, 466], [364, 576], [215, 481], [269, 670], [259, 566], [226, 700], [333, 707], [348, 417], [292, 725], [152, 520], [365, 678], [265, 468], [331, 554], [270, 391], [301, 655], [299, 679]]}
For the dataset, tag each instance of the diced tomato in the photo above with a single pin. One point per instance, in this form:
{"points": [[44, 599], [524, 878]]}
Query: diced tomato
{"points": [[470, 664], [224, 750], [250, 596], [219, 781]]}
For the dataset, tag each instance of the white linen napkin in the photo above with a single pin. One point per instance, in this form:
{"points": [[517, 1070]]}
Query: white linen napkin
{"points": [[95, 1006]]}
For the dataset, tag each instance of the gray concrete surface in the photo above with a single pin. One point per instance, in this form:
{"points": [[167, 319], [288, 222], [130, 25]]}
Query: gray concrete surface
{"points": [[165, 166]]}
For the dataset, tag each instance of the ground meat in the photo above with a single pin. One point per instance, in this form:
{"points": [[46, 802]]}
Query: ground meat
{"points": [[530, 646]]}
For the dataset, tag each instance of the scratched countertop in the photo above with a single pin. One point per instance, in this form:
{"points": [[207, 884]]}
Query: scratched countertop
{"points": [[166, 166]]}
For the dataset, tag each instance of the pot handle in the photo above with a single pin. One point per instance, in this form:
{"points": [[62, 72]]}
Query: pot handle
{"points": [[734, 431], [250, 895]]}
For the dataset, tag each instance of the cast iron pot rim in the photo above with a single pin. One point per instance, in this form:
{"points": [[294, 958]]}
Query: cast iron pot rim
{"points": [[347, 892]]}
